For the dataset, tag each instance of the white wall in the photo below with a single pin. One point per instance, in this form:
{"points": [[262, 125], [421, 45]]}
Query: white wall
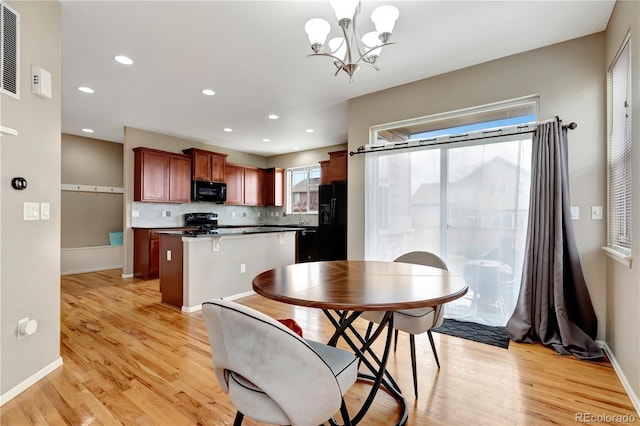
{"points": [[622, 282], [30, 262]]}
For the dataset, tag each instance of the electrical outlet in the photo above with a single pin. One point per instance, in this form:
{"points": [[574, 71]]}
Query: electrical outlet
{"points": [[135, 213]]}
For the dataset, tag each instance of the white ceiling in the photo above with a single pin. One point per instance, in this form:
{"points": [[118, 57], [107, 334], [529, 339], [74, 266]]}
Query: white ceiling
{"points": [[253, 54]]}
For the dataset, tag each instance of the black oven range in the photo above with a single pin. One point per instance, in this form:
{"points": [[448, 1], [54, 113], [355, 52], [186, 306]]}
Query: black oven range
{"points": [[206, 223]]}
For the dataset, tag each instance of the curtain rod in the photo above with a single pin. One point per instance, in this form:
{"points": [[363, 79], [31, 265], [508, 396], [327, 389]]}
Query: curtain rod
{"points": [[470, 136]]}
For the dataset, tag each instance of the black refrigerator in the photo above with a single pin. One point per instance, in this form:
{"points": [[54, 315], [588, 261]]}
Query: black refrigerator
{"points": [[332, 221]]}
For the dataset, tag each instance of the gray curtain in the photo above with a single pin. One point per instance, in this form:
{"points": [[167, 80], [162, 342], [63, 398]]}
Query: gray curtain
{"points": [[553, 306]]}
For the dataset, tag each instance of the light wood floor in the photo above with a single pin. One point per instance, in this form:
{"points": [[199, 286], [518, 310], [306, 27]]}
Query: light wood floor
{"points": [[130, 360]]}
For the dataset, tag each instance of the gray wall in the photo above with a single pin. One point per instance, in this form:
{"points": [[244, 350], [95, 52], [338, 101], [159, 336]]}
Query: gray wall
{"points": [[30, 261], [88, 217], [622, 282]]}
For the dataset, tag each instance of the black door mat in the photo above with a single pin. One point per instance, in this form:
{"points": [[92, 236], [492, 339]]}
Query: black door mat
{"points": [[490, 335]]}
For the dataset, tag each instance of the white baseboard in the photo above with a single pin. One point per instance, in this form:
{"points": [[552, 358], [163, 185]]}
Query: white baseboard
{"points": [[30, 381], [191, 309], [635, 399], [82, 271]]}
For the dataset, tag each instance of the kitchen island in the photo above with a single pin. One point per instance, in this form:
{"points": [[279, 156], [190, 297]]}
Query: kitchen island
{"points": [[195, 268]]}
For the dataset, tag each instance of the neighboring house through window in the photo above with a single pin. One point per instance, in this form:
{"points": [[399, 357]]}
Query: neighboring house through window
{"points": [[302, 189], [465, 200]]}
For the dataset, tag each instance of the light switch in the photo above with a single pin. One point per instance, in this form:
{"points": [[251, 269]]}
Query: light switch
{"points": [[575, 212], [31, 211], [596, 212], [44, 211], [168, 255]]}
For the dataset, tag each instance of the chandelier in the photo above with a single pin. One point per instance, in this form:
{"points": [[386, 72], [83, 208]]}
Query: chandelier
{"points": [[348, 51]]}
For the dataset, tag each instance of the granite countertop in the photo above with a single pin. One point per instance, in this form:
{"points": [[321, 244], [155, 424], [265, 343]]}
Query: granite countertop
{"points": [[240, 230]]}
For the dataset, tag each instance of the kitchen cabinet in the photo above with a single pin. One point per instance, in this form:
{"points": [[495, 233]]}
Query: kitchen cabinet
{"points": [[160, 176], [244, 185], [273, 186], [338, 161], [325, 172], [146, 251], [207, 165], [334, 169], [171, 290]]}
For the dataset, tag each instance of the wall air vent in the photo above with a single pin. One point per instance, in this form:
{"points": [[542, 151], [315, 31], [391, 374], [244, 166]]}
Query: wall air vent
{"points": [[9, 51]]}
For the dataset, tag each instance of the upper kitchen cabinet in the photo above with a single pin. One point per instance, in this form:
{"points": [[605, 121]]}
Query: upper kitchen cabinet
{"points": [[338, 161], [244, 185], [162, 177], [273, 186], [334, 169], [207, 165], [325, 172]]}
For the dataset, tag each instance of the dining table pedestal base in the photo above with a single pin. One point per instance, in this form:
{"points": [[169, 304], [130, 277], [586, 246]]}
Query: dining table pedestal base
{"points": [[377, 366]]}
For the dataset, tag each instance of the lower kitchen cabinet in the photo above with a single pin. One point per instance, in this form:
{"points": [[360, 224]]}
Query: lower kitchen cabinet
{"points": [[172, 268], [146, 252]]}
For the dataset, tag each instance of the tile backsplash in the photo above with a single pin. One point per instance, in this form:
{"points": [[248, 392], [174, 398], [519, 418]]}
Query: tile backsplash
{"points": [[167, 215]]}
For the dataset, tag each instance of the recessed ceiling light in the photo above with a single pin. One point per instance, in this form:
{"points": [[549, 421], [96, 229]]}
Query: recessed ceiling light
{"points": [[87, 130], [228, 129], [309, 130], [273, 116], [123, 60], [85, 89], [208, 92], [296, 148], [266, 140]]}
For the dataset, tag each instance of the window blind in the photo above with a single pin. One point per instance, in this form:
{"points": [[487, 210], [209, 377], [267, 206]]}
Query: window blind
{"points": [[619, 153]]}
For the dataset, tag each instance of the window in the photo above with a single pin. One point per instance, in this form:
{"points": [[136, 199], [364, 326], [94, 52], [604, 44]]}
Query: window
{"points": [[619, 153], [302, 189], [467, 201]]}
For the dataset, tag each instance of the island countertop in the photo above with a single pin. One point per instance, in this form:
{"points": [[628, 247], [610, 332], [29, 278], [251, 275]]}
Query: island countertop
{"points": [[233, 230]]}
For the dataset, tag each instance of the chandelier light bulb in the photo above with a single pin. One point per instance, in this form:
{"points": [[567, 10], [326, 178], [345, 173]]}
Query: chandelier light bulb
{"points": [[317, 30], [384, 18], [344, 9]]}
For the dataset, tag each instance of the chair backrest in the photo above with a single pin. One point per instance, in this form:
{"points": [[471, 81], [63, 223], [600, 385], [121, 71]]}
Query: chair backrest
{"points": [[427, 259], [272, 357], [423, 258]]}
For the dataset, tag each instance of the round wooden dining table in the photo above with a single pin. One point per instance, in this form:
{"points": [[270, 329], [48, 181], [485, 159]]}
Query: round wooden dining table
{"points": [[344, 289]]}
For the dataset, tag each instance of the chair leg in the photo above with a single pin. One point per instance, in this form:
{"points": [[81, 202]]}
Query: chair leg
{"points": [[433, 347], [395, 341], [238, 419], [412, 341]]}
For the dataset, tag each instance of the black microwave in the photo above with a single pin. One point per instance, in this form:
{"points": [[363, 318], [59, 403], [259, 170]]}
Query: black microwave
{"points": [[213, 192]]}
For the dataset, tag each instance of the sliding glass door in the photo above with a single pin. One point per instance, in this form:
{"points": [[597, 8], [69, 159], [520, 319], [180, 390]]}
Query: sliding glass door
{"points": [[466, 202]]}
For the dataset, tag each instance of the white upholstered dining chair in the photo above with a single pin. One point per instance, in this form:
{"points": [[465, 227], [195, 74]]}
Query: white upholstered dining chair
{"points": [[414, 321], [271, 374]]}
